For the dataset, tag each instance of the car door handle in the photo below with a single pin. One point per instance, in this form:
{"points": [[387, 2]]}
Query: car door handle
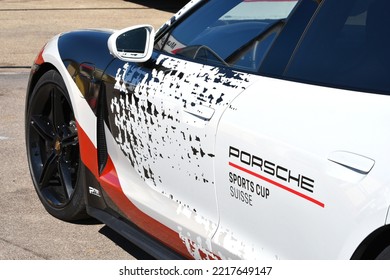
{"points": [[203, 112]]}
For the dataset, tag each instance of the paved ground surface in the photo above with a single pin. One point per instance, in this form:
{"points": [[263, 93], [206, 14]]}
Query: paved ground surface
{"points": [[26, 230], [27, 24]]}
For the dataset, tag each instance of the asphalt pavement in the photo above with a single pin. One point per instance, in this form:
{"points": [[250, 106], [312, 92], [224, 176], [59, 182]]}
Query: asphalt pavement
{"points": [[26, 25], [27, 231]]}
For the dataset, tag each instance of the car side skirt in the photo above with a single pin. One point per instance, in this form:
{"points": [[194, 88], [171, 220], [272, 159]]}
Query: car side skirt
{"points": [[133, 234]]}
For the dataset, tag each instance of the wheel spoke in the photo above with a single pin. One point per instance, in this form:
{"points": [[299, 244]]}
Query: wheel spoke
{"points": [[64, 168], [57, 110], [42, 127], [48, 170]]}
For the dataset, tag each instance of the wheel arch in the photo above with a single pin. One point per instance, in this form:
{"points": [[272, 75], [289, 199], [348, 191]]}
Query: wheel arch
{"points": [[75, 48], [372, 246], [36, 74]]}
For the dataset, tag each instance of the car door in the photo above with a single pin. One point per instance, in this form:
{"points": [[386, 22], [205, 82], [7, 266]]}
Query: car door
{"points": [[163, 116], [301, 166]]}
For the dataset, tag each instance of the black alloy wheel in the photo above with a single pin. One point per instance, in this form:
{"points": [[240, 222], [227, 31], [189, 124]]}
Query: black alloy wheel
{"points": [[53, 148]]}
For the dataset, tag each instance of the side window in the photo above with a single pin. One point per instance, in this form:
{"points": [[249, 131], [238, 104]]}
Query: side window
{"points": [[235, 33], [349, 51]]}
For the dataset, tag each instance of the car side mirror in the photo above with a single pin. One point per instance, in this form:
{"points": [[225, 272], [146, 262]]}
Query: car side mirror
{"points": [[132, 44]]}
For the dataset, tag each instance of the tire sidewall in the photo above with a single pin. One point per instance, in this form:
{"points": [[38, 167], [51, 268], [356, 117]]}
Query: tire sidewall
{"points": [[75, 208]]}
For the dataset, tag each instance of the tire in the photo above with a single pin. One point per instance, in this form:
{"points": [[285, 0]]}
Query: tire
{"points": [[385, 254], [53, 149]]}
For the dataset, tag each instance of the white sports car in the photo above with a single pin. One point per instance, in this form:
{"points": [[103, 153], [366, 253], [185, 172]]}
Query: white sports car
{"points": [[241, 129]]}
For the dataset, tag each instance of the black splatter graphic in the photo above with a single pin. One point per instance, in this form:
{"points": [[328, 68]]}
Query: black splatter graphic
{"points": [[150, 124]]}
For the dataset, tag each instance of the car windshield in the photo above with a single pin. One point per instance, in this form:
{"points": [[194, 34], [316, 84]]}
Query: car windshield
{"points": [[227, 30]]}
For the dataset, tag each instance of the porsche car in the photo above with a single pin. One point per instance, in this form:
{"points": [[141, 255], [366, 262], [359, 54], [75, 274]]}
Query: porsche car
{"points": [[240, 129]]}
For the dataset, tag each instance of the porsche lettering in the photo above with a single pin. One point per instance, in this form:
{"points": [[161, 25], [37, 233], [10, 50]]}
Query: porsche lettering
{"points": [[272, 169]]}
